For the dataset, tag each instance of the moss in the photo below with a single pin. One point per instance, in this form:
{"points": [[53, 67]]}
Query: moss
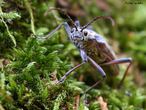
{"points": [[30, 67]]}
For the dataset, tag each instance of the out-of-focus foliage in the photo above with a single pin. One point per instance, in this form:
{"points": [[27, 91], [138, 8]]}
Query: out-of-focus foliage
{"points": [[30, 68]]}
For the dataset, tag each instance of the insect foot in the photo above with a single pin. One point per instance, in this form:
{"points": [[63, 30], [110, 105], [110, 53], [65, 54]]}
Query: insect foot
{"points": [[126, 92], [62, 80], [34, 35], [85, 101]]}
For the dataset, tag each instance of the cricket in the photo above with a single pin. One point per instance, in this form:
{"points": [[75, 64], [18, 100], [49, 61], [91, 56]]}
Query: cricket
{"points": [[93, 49]]}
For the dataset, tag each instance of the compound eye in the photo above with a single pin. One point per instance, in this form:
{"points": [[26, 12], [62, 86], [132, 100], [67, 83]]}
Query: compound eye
{"points": [[85, 33], [72, 30]]}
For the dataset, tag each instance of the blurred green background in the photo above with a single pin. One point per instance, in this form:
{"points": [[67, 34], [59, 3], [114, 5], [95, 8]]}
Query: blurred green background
{"points": [[30, 68]]}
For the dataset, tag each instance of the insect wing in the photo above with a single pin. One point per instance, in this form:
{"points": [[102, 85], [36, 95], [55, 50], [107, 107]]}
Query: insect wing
{"points": [[108, 53]]}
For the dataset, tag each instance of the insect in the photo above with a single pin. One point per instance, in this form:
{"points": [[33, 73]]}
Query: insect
{"points": [[93, 49]]}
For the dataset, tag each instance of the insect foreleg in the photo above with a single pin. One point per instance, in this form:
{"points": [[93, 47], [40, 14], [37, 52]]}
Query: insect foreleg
{"points": [[90, 27], [77, 23], [102, 73], [83, 55], [67, 28], [118, 61]]}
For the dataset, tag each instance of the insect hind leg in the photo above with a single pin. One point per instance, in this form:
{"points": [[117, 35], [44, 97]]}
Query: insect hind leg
{"points": [[119, 61]]}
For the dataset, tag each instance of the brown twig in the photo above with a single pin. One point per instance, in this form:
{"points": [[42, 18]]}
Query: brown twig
{"points": [[78, 96]]}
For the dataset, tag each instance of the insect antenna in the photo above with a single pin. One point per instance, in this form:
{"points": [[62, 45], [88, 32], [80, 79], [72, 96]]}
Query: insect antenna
{"points": [[64, 14], [96, 19]]}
